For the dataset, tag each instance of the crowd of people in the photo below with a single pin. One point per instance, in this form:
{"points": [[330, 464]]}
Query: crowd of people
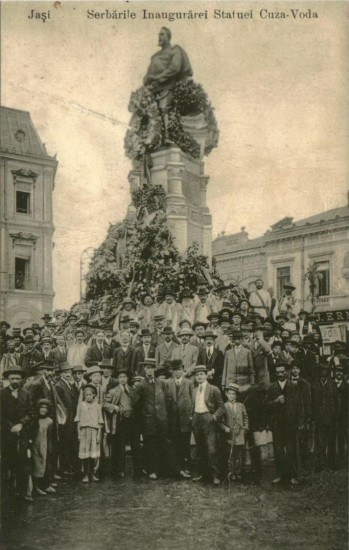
{"points": [[195, 388]]}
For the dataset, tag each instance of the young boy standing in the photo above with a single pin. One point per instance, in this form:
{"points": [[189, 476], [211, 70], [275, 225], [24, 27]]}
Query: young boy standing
{"points": [[234, 422]]}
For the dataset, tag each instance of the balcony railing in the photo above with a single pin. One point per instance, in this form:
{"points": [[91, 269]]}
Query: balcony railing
{"points": [[21, 282], [323, 303]]}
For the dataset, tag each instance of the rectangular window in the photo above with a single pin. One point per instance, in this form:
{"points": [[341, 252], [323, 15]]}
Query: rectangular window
{"points": [[283, 276], [323, 270], [21, 274], [22, 202]]}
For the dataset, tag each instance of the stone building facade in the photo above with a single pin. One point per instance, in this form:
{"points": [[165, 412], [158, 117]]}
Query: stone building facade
{"points": [[26, 221], [286, 252]]}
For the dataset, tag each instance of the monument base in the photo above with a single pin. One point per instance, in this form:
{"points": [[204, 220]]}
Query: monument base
{"points": [[185, 185]]}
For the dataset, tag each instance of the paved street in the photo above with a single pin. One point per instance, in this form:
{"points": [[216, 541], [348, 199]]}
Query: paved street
{"points": [[136, 515]]}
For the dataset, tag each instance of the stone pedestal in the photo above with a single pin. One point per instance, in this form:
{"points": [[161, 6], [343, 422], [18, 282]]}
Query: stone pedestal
{"points": [[185, 184]]}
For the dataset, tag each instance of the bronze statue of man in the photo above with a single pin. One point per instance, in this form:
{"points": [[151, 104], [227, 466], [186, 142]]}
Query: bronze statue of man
{"points": [[167, 67]]}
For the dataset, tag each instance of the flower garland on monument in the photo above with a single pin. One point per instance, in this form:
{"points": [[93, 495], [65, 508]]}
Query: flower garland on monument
{"points": [[146, 131]]}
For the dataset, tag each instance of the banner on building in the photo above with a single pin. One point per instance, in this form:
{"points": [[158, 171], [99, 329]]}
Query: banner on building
{"points": [[340, 316]]}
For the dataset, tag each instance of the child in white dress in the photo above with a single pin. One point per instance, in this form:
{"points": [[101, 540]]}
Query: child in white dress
{"points": [[90, 421]]}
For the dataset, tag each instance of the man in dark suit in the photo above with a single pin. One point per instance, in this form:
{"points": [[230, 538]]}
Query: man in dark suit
{"points": [[284, 408], [145, 351], [260, 350], [273, 358], [181, 394], [98, 350], [238, 364], [30, 357], [122, 359], [305, 323], [60, 352], [207, 403], [306, 359], [109, 340], [157, 336], [212, 358], [122, 427], [16, 419], [79, 380], [325, 407], [135, 334], [68, 440], [152, 401], [304, 418], [107, 381], [342, 418], [164, 351], [46, 348]]}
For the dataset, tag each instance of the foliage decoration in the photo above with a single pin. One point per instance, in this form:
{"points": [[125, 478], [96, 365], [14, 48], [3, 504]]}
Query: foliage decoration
{"points": [[147, 133], [137, 258], [146, 126]]}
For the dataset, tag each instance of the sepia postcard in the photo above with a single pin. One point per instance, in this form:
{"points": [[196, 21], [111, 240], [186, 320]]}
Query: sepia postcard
{"points": [[245, 133]]}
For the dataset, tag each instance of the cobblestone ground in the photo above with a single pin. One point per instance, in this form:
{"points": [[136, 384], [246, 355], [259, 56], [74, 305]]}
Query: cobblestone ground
{"points": [[140, 515]]}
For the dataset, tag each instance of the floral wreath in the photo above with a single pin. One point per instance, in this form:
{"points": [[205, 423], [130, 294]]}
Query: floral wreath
{"points": [[147, 129]]}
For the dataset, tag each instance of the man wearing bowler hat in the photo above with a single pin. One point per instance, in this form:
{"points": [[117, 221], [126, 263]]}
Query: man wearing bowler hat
{"points": [[152, 402], [181, 393], [306, 358], [212, 358], [145, 351], [30, 357], [164, 351], [68, 441], [206, 404], [285, 413], [325, 407], [16, 420], [186, 352], [238, 364]]}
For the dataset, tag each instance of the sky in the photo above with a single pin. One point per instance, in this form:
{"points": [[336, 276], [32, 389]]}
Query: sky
{"points": [[279, 88]]}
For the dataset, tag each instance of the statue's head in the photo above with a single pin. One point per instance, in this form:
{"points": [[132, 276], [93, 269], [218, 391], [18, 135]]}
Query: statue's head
{"points": [[164, 36]]}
